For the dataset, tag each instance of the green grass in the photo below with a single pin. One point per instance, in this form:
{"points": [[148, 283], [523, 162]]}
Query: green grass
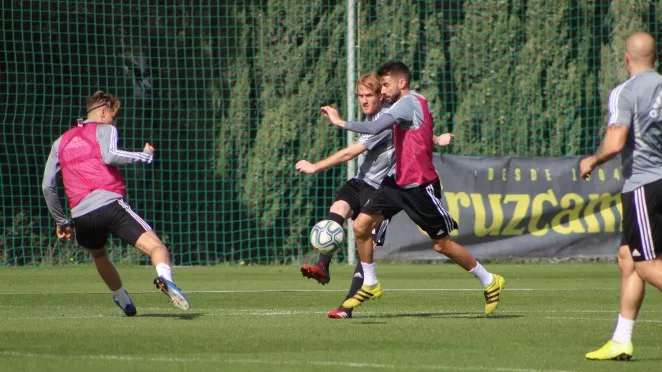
{"points": [[63, 318]]}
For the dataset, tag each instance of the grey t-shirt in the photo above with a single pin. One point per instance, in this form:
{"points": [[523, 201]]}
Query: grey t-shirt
{"points": [[637, 103], [379, 161], [110, 154]]}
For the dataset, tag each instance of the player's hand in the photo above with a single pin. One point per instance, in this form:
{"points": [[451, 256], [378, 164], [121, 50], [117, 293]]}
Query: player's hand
{"points": [[331, 113], [149, 148], [444, 140], [64, 232], [586, 166], [304, 166]]}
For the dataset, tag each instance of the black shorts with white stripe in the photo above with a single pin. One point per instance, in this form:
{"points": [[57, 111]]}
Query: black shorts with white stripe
{"points": [[92, 229], [421, 203], [642, 221], [380, 233]]}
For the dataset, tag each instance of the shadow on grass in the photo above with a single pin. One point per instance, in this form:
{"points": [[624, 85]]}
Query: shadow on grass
{"points": [[643, 359], [457, 315], [187, 316]]}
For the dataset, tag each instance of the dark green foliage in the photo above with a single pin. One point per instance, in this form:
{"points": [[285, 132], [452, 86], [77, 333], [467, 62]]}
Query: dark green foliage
{"points": [[229, 94]]}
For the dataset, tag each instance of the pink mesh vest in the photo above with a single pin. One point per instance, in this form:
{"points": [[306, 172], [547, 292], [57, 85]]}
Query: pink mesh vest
{"points": [[83, 169], [413, 150]]}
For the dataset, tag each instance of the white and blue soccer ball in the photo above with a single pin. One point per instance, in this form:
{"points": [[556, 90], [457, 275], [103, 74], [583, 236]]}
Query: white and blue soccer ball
{"points": [[327, 236]]}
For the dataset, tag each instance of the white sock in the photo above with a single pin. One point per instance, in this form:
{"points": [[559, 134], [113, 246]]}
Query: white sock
{"points": [[483, 275], [623, 331], [164, 270], [369, 273], [122, 297]]}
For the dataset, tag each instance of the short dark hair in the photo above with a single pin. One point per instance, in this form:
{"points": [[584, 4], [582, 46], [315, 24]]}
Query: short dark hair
{"points": [[395, 68]]}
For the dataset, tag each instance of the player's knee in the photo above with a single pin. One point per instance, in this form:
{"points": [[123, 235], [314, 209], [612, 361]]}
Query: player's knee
{"points": [[363, 228], [442, 246], [342, 208], [625, 262], [150, 243], [99, 254], [157, 248], [651, 272]]}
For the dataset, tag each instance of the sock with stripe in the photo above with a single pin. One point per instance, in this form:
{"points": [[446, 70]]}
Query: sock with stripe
{"points": [[357, 280]]}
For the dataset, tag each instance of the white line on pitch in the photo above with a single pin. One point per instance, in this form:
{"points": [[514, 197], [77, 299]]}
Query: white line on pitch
{"points": [[132, 358]]}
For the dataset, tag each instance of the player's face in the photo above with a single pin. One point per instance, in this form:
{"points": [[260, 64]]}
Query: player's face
{"points": [[390, 88], [369, 101]]}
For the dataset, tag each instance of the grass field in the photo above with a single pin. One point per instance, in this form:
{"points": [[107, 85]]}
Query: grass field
{"points": [[271, 319]]}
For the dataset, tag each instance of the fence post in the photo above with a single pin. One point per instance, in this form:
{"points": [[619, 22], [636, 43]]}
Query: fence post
{"points": [[351, 107]]}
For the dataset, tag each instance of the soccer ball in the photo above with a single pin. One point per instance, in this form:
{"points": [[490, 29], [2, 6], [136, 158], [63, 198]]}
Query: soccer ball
{"points": [[327, 236]]}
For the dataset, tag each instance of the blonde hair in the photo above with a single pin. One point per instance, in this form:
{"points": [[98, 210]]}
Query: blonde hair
{"points": [[371, 82], [100, 99]]}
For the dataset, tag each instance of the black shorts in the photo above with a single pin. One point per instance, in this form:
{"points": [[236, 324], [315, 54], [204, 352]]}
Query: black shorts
{"points": [[356, 193], [642, 221], [421, 203], [92, 229]]}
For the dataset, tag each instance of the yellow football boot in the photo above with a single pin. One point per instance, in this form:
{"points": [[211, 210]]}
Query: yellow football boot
{"points": [[367, 292], [493, 293], [612, 351]]}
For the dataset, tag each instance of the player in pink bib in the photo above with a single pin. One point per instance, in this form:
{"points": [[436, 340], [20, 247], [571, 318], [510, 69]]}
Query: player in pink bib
{"points": [[415, 187], [88, 158]]}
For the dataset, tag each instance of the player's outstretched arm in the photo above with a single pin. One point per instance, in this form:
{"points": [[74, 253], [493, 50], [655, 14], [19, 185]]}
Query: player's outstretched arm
{"points": [[49, 189], [342, 156], [612, 145], [107, 138], [443, 140], [333, 115], [383, 123]]}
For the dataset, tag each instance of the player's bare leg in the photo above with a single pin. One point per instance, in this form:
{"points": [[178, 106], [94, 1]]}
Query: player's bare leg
{"points": [[106, 269], [493, 283], [633, 287], [633, 290], [339, 212], [371, 289], [111, 277], [455, 252], [342, 208], [150, 243], [651, 272]]}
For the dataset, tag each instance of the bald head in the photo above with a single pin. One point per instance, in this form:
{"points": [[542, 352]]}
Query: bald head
{"points": [[640, 49]]}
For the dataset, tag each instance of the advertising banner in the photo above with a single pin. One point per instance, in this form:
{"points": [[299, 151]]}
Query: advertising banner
{"points": [[512, 207]]}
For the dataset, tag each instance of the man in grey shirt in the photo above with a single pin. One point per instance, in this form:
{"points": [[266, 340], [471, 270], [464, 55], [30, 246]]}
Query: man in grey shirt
{"points": [[87, 157], [634, 129], [376, 161]]}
